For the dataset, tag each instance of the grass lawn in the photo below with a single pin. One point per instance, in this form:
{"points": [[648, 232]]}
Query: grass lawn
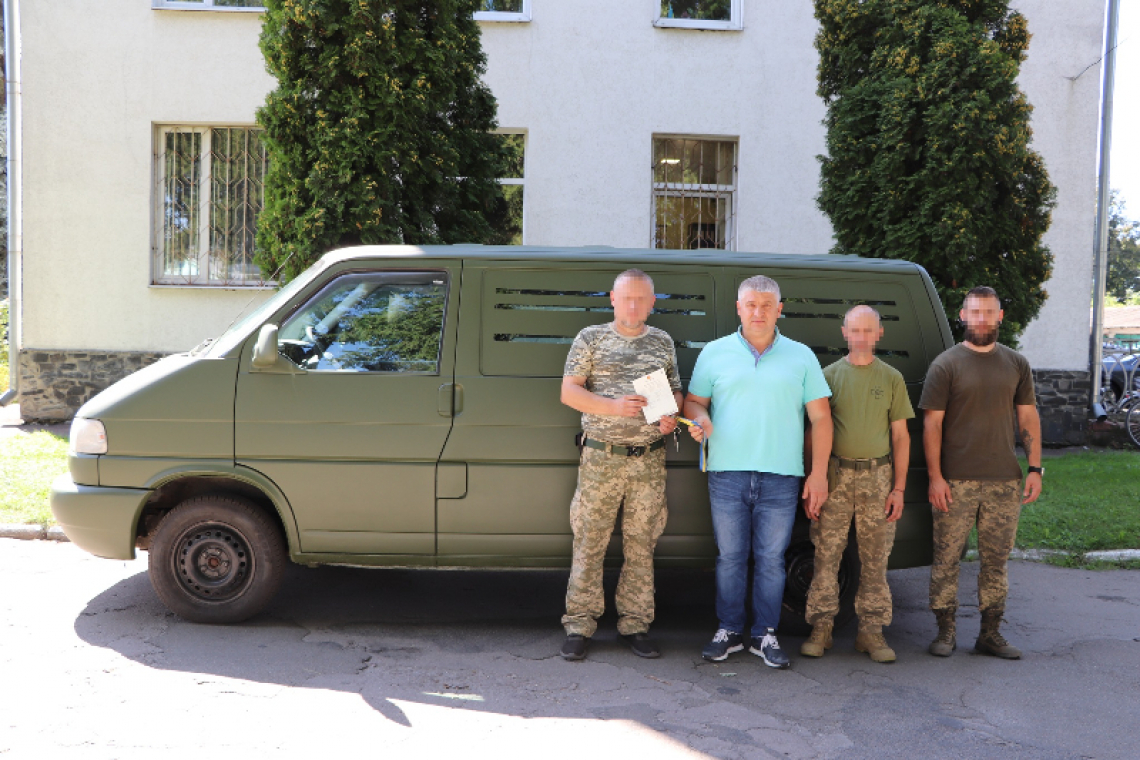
{"points": [[1090, 501], [29, 462]]}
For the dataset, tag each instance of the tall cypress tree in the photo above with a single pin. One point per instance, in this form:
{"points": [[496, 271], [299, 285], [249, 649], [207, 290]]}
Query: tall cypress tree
{"points": [[378, 130], [928, 155]]}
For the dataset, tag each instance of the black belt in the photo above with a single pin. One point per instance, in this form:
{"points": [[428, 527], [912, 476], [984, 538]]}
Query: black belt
{"points": [[624, 451], [861, 464]]}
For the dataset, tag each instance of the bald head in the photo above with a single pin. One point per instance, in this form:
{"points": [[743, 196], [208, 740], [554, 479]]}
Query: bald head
{"points": [[861, 329], [862, 311]]}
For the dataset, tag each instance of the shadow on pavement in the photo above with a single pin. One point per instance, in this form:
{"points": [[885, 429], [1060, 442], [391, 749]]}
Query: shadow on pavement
{"points": [[436, 637]]}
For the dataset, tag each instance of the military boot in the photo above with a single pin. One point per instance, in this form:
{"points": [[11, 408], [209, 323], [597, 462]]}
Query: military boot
{"points": [[945, 642], [870, 640], [819, 641], [990, 641]]}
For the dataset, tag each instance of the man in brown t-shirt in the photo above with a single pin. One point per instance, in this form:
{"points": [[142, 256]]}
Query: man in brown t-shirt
{"points": [[975, 393]]}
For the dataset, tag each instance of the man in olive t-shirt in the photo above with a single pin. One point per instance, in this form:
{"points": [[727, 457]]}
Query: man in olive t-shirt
{"points": [[975, 393], [869, 409]]}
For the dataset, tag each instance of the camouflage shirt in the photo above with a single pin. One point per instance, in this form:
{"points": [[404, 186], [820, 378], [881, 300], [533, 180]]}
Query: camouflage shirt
{"points": [[610, 362]]}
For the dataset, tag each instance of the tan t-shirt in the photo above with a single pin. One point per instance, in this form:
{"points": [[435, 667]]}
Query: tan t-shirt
{"points": [[979, 392], [610, 362], [865, 400]]}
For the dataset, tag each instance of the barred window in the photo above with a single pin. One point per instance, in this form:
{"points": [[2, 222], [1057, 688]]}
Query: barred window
{"points": [[694, 193], [209, 190]]}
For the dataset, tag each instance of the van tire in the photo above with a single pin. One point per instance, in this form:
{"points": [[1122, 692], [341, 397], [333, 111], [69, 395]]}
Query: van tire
{"points": [[799, 560], [217, 559]]}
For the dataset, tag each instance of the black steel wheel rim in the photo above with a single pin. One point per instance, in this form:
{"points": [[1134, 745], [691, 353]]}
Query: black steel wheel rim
{"points": [[213, 562], [800, 570]]}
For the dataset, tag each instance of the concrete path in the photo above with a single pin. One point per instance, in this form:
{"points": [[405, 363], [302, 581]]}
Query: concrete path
{"points": [[403, 664]]}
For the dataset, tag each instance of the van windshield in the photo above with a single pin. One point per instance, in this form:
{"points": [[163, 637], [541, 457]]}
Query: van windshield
{"points": [[232, 337]]}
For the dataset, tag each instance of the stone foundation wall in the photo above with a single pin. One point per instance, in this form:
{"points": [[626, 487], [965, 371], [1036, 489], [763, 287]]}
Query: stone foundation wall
{"points": [[1063, 403], [54, 384]]}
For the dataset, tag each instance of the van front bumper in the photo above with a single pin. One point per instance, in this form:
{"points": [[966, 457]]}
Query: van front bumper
{"points": [[98, 520]]}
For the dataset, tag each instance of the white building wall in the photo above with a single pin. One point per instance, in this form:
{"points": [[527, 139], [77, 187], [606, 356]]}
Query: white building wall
{"points": [[1062, 78], [590, 82], [97, 77]]}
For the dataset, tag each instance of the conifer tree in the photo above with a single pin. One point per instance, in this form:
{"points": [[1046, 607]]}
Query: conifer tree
{"points": [[378, 130], [928, 146]]}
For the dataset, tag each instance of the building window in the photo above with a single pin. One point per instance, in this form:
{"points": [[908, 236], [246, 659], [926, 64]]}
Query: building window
{"points": [[694, 193], [503, 10], [208, 5], [700, 14], [511, 233], [208, 194]]}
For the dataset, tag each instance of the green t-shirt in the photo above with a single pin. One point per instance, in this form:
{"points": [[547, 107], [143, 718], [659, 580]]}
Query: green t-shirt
{"points": [[865, 400]]}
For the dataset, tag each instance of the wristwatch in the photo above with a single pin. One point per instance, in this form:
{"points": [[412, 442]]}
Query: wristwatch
{"points": [[1039, 470]]}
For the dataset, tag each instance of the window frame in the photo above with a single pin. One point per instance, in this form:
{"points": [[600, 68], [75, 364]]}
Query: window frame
{"points": [[204, 5], [507, 17], [674, 190], [520, 181], [285, 320], [735, 21], [158, 180]]}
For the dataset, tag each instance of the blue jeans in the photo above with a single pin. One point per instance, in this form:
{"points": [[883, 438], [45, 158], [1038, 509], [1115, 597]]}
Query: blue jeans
{"points": [[752, 512]]}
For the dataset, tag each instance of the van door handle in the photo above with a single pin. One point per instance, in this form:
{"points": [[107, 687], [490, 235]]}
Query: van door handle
{"points": [[450, 401], [445, 404]]}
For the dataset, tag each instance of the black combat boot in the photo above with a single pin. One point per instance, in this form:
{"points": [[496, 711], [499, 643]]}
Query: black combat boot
{"points": [[990, 641], [945, 642]]}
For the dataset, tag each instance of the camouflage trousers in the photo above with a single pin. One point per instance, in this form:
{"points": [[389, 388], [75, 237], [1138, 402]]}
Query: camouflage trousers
{"points": [[859, 495], [605, 483], [995, 506]]}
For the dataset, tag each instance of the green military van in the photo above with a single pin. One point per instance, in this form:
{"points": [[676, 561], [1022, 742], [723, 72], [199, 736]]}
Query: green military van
{"points": [[399, 406]]}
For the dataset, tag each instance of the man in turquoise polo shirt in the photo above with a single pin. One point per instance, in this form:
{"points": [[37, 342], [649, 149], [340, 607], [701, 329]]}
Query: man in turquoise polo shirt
{"points": [[748, 395]]}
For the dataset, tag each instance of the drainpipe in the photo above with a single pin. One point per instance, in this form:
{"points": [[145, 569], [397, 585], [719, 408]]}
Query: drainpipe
{"points": [[15, 207], [1103, 198]]}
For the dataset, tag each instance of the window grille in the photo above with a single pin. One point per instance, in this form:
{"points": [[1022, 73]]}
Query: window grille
{"points": [[694, 193], [209, 193]]}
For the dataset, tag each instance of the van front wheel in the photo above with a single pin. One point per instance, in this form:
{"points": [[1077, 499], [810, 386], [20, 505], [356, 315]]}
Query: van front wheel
{"points": [[216, 559]]}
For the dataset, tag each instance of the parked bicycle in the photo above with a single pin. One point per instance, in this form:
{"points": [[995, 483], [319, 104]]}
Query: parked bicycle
{"points": [[1120, 391]]}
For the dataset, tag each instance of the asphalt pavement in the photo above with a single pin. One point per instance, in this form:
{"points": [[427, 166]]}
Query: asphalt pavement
{"points": [[402, 664]]}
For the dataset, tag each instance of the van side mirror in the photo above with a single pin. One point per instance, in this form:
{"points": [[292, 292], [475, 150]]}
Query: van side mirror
{"points": [[266, 357], [265, 350]]}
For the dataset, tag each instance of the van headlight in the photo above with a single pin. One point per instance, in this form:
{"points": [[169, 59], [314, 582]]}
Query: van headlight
{"points": [[88, 437]]}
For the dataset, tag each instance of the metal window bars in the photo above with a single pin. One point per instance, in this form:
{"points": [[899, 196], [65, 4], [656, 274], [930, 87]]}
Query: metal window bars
{"points": [[694, 189], [209, 193]]}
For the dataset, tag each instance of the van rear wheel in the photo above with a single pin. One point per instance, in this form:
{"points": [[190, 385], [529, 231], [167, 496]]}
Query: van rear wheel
{"points": [[216, 559], [800, 563]]}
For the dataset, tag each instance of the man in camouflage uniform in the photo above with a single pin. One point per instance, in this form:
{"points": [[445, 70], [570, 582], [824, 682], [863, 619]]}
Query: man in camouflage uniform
{"points": [[622, 465], [869, 409], [975, 393]]}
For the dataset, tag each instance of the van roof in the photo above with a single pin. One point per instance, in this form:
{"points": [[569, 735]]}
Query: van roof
{"points": [[603, 254]]}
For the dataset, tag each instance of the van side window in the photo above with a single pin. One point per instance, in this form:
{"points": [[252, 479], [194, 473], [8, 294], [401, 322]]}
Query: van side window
{"points": [[370, 322]]}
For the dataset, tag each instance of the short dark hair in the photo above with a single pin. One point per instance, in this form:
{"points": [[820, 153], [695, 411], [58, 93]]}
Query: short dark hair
{"points": [[982, 291]]}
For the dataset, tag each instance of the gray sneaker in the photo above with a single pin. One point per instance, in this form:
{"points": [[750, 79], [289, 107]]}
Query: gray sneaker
{"points": [[767, 648]]}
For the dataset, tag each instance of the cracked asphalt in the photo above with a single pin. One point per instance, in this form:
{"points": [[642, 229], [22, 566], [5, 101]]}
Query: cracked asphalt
{"points": [[396, 664]]}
